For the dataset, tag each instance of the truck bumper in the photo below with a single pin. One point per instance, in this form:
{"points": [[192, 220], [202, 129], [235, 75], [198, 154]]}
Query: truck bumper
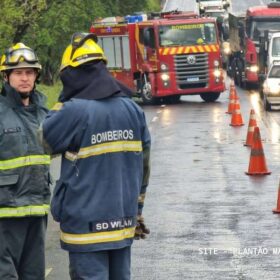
{"points": [[273, 100], [171, 87]]}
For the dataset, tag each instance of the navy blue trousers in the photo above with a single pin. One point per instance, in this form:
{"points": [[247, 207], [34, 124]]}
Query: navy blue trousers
{"points": [[22, 248], [101, 265]]}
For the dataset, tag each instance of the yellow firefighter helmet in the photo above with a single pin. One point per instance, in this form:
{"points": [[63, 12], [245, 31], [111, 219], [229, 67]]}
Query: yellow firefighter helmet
{"points": [[83, 48], [19, 56]]}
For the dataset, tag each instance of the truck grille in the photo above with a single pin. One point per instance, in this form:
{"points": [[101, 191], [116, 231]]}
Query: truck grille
{"points": [[191, 70]]}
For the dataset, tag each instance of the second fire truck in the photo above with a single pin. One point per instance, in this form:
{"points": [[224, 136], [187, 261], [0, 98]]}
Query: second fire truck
{"points": [[245, 32], [167, 56]]}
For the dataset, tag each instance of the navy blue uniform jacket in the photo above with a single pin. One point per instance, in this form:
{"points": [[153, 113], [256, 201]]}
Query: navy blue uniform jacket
{"points": [[105, 152]]}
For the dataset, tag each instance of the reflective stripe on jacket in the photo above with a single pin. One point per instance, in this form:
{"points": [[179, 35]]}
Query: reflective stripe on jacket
{"points": [[24, 166]]}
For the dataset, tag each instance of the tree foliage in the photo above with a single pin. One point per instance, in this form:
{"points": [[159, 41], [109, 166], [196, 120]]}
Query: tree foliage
{"points": [[47, 25]]}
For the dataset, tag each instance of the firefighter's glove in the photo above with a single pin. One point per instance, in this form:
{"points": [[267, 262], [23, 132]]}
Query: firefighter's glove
{"points": [[141, 230]]}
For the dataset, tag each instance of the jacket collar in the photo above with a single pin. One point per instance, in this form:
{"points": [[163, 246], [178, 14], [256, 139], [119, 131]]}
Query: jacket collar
{"points": [[90, 81]]}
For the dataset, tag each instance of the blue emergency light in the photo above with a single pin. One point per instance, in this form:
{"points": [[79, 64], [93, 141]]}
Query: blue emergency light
{"points": [[133, 19]]}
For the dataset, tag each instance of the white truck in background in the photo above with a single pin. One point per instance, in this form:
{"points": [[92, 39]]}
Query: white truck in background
{"points": [[269, 50], [204, 5], [274, 48]]}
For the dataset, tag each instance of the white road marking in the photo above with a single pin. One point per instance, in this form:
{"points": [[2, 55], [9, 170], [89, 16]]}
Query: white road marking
{"points": [[48, 271]]}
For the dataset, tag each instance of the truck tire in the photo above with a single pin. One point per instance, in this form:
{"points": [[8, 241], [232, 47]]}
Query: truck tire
{"points": [[266, 104], [238, 79], [210, 96], [146, 92]]}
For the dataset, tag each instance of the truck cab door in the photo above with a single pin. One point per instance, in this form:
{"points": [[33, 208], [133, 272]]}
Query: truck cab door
{"points": [[149, 53]]}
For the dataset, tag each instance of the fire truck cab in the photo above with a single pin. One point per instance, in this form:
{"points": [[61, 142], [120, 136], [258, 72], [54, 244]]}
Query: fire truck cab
{"points": [[169, 55]]}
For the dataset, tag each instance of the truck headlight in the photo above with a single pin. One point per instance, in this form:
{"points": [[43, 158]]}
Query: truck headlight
{"points": [[217, 73], [165, 77], [216, 63], [163, 67], [254, 68]]}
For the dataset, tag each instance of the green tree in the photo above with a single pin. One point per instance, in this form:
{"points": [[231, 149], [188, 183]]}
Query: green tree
{"points": [[47, 25]]}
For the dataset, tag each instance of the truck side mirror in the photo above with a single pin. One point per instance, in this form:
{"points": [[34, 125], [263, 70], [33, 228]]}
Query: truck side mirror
{"points": [[149, 38]]}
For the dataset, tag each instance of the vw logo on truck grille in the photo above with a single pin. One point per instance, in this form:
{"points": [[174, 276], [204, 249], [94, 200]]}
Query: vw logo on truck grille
{"points": [[191, 59]]}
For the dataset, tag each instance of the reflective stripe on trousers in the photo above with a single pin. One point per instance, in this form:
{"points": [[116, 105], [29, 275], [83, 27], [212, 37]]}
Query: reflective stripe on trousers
{"points": [[23, 211]]}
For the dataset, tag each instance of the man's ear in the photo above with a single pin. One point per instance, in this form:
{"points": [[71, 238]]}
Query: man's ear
{"points": [[5, 76]]}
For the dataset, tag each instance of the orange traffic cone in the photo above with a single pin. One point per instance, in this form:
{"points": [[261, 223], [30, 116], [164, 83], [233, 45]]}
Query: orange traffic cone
{"points": [[277, 209], [232, 97], [257, 165], [236, 117], [251, 126]]}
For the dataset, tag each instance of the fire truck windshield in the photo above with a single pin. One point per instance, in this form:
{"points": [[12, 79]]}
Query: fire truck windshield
{"points": [[187, 34], [258, 27]]}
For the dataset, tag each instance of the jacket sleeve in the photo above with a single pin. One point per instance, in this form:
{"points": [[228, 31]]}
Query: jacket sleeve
{"points": [[63, 128], [146, 144]]}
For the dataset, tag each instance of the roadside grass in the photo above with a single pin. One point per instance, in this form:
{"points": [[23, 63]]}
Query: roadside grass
{"points": [[51, 92]]}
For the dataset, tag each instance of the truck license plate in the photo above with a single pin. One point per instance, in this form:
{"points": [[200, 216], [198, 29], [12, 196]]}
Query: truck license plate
{"points": [[193, 79]]}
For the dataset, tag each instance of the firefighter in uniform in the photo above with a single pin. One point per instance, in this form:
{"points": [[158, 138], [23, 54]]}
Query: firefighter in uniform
{"points": [[24, 168], [105, 145]]}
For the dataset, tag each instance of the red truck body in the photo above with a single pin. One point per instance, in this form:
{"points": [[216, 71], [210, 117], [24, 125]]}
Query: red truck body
{"points": [[165, 57], [244, 62]]}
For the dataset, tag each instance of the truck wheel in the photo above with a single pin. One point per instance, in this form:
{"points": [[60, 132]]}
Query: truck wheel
{"points": [[266, 104], [210, 96], [146, 93], [238, 80]]}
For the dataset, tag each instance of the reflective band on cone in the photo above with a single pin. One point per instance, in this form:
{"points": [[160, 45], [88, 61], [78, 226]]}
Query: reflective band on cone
{"points": [[257, 165], [251, 126], [232, 98], [236, 117]]}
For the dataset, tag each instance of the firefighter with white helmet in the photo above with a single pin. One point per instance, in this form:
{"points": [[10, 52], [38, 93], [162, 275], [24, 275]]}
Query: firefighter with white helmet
{"points": [[105, 145], [24, 168]]}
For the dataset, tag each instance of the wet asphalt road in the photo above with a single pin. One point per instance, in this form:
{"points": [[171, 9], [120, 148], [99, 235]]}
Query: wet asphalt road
{"points": [[208, 219]]}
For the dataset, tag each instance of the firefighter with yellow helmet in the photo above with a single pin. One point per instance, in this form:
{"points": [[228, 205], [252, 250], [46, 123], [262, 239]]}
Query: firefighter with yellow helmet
{"points": [[24, 168], [105, 145]]}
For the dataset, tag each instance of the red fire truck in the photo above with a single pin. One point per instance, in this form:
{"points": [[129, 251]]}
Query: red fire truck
{"points": [[169, 55], [245, 32]]}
